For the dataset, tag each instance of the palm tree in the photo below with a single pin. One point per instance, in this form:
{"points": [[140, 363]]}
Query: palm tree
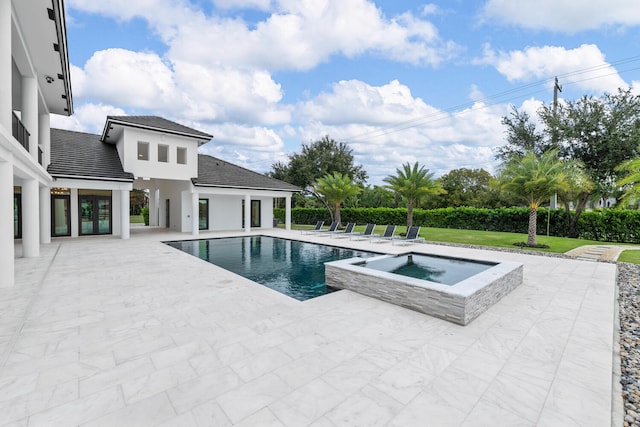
{"points": [[630, 182], [336, 188], [533, 180], [414, 184]]}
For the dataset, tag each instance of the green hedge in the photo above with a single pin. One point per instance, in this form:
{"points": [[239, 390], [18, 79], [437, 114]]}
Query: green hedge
{"points": [[609, 225]]}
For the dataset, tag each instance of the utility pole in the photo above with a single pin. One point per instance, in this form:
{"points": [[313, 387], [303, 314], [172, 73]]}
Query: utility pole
{"points": [[556, 88], [553, 203]]}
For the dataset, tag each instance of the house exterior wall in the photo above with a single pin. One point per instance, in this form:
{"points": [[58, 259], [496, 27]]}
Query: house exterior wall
{"points": [[127, 147]]}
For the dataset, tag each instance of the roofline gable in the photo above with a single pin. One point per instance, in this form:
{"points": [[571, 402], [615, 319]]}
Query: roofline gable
{"points": [[114, 121]]}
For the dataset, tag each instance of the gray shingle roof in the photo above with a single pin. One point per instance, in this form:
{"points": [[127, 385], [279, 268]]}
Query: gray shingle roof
{"points": [[84, 155], [214, 172], [154, 123]]}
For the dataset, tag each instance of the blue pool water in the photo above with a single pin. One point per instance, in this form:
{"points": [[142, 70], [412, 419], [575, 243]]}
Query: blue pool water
{"points": [[443, 270], [291, 267]]}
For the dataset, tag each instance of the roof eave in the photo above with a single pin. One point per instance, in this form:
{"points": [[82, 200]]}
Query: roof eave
{"points": [[90, 178], [246, 187], [61, 29], [105, 133]]}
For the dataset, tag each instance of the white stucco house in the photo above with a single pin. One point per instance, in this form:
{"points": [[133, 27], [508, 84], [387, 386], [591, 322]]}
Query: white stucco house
{"points": [[56, 183]]}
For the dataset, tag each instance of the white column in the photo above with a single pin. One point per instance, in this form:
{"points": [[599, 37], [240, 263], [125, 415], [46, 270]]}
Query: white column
{"points": [[247, 213], [30, 221], [44, 136], [45, 215], [5, 73], [195, 211], [287, 213], [7, 274], [29, 115], [124, 214]]}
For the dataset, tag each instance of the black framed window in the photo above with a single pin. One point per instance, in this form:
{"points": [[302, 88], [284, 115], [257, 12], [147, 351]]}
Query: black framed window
{"points": [[255, 213], [203, 214], [17, 215], [60, 215]]}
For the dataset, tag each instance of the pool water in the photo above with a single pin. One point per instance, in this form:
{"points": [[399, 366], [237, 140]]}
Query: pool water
{"points": [[290, 267], [443, 270]]}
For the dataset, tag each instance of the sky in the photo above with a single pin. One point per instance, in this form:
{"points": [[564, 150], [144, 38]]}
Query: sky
{"points": [[398, 81]]}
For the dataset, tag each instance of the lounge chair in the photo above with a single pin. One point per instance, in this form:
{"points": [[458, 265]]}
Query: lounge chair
{"points": [[413, 235], [332, 228], [348, 231], [368, 232], [318, 227], [386, 236]]}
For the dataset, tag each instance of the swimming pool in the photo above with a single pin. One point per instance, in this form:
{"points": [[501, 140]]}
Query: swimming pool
{"points": [[290, 267]]}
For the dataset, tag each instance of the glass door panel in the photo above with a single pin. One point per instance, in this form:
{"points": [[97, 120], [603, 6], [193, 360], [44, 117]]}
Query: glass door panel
{"points": [[86, 216], [104, 216], [17, 216], [203, 214], [60, 218], [255, 213]]}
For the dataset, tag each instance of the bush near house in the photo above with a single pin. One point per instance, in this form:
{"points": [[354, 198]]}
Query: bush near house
{"points": [[145, 215], [611, 225]]}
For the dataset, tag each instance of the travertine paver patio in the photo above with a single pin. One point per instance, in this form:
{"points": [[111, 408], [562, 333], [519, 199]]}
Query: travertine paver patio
{"points": [[101, 331]]}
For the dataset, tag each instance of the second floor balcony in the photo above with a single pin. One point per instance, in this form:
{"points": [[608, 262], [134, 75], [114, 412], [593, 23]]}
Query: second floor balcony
{"points": [[20, 132]]}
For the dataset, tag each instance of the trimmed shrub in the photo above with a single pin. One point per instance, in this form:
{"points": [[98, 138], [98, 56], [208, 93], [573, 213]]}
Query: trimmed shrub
{"points": [[611, 225]]}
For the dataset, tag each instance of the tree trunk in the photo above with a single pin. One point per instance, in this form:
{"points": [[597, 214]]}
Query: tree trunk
{"points": [[533, 226], [409, 214], [338, 213], [572, 218]]}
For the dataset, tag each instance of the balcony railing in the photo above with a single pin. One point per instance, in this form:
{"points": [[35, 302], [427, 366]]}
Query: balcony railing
{"points": [[20, 132]]}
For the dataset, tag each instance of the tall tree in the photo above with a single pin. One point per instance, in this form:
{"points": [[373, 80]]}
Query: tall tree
{"points": [[600, 133], [576, 193], [414, 184], [533, 179], [468, 187], [316, 160], [522, 136], [336, 188]]}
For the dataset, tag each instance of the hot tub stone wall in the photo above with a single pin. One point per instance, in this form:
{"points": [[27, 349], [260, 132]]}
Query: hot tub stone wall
{"points": [[456, 308]]}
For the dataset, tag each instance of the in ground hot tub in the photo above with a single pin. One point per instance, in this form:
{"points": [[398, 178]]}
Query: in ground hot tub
{"points": [[454, 289]]}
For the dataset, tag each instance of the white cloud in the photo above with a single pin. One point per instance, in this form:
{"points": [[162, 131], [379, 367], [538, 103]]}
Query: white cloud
{"points": [[386, 127], [585, 66], [566, 16], [255, 148], [86, 118], [298, 36]]}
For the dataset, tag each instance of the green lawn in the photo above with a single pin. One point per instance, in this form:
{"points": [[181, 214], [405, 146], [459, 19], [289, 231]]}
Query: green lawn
{"points": [[632, 257], [492, 238], [136, 219]]}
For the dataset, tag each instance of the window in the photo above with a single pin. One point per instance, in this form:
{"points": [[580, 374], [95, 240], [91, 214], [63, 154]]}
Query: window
{"points": [[163, 153], [143, 150], [17, 214], [181, 156], [203, 214]]}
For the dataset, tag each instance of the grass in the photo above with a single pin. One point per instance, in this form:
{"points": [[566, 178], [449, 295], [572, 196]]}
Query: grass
{"points": [[494, 239], [632, 257], [136, 219]]}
